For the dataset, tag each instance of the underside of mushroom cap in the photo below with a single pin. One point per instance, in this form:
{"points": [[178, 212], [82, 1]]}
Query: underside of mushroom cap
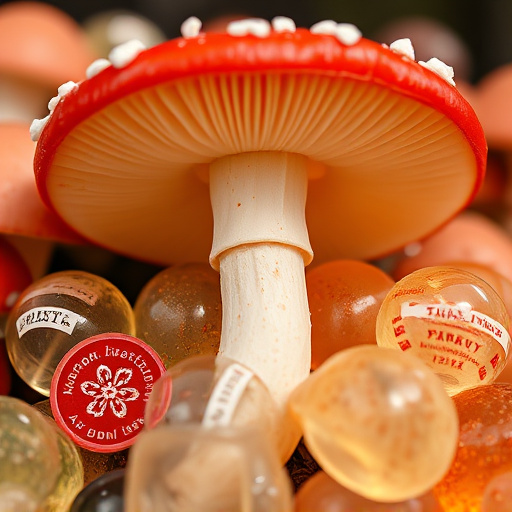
{"points": [[394, 150]]}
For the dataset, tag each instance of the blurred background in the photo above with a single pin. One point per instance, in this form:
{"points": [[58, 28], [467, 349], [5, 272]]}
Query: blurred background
{"points": [[484, 26]]}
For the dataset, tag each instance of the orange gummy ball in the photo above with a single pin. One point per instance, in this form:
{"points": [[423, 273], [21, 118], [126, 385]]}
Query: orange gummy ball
{"points": [[485, 448], [344, 299], [498, 494], [378, 421], [321, 493]]}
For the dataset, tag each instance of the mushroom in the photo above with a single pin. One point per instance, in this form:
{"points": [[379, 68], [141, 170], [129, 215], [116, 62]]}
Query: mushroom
{"points": [[25, 222], [42, 48], [236, 142]]}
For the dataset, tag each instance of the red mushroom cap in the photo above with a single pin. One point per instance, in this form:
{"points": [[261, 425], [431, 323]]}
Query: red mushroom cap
{"points": [[395, 150]]}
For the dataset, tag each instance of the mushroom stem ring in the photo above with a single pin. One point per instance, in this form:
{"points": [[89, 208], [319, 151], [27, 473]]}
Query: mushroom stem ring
{"points": [[260, 246]]}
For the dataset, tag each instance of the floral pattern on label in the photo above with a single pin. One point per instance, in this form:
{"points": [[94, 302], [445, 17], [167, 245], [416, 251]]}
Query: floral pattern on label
{"points": [[108, 391]]}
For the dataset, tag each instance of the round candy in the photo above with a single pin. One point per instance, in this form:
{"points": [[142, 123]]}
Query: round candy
{"points": [[178, 312], [55, 313], [100, 390], [344, 299], [452, 320], [498, 494], [484, 451], [322, 493], [210, 391], [378, 421], [40, 468], [95, 464]]}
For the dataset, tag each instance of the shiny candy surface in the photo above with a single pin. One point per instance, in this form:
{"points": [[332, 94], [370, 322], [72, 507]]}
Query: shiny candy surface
{"points": [[100, 389], [498, 494], [54, 314], [378, 421], [206, 391], [484, 450], [322, 493], [220, 469], [40, 468], [344, 299], [105, 494], [95, 464], [178, 312], [452, 320]]}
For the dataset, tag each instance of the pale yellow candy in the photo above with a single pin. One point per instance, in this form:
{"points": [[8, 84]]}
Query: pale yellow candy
{"points": [[452, 320], [57, 312], [40, 468], [378, 421]]}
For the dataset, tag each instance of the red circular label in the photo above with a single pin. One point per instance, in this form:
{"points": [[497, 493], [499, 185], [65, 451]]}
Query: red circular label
{"points": [[100, 389]]}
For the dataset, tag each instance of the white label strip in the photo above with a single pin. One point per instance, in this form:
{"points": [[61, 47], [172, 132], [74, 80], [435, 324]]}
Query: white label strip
{"points": [[447, 313], [226, 395], [52, 318]]}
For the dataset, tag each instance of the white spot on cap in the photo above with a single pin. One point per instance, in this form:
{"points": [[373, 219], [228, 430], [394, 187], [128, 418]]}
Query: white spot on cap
{"points": [[255, 26], [97, 67], [283, 24], [37, 127], [347, 33], [439, 68], [53, 103], [66, 88], [324, 27], [191, 27], [403, 47], [125, 53]]}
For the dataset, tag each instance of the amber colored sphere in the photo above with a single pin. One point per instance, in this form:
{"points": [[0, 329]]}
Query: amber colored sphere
{"points": [[344, 299], [378, 421], [451, 319], [498, 494], [179, 312], [484, 451], [320, 493]]}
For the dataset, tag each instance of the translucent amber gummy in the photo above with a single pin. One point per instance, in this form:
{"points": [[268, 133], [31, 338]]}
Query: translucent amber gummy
{"points": [[321, 493], [378, 421], [452, 320], [344, 298], [178, 312], [484, 451], [40, 469], [498, 494], [55, 313]]}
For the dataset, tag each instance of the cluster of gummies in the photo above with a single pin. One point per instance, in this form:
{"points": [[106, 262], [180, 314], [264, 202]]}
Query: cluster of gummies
{"points": [[375, 414]]}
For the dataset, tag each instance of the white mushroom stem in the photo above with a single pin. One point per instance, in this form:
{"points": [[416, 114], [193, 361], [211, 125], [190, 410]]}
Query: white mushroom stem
{"points": [[260, 246]]}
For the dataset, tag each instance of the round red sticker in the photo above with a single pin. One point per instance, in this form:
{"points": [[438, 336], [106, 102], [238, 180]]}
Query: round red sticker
{"points": [[100, 389]]}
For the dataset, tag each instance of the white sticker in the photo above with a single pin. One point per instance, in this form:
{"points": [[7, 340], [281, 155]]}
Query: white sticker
{"points": [[448, 313], [226, 395], [48, 317]]}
